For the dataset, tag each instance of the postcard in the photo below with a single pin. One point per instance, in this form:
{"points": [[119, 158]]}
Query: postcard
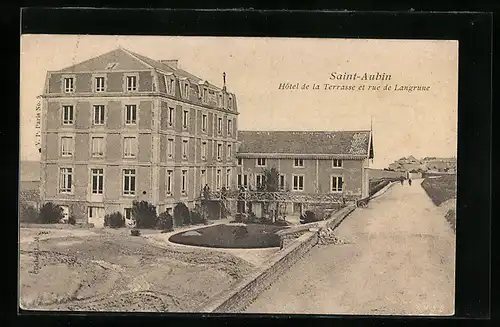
{"points": [[237, 175]]}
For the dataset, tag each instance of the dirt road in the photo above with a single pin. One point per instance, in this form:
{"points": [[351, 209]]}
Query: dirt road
{"points": [[400, 260]]}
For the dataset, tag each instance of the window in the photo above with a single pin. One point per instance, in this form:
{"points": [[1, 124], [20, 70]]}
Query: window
{"points": [[128, 213], [204, 151], [260, 162], [184, 149], [112, 65], [186, 91], [259, 180], [219, 151], [184, 182], [171, 114], [204, 123], [185, 119], [228, 178], [131, 83], [97, 146], [69, 85], [130, 114], [229, 148], [66, 146], [336, 163], [129, 182], [229, 127], [220, 101], [97, 181], [240, 161], [99, 84], [169, 85], [67, 115], [298, 163], [298, 182], [170, 148], [217, 179], [242, 181], [98, 118], [337, 184], [219, 126], [203, 178], [205, 95], [170, 179], [282, 182], [230, 103], [129, 147], [65, 180]]}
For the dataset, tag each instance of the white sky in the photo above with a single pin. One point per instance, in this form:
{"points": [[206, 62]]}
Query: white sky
{"points": [[418, 123]]}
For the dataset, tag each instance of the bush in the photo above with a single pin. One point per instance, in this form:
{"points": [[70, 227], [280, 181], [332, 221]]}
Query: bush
{"points": [[308, 217], [197, 218], [72, 220], [50, 213], [238, 217], [144, 214], [114, 220], [165, 222], [135, 232], [28, 214], [181, 214]]}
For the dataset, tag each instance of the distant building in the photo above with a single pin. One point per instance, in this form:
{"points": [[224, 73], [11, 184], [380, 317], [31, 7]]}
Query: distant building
{"points": [[122, 127], [308, 162]]}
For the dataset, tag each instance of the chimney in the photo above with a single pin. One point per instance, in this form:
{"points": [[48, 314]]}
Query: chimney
{"points": [[174, 63]]}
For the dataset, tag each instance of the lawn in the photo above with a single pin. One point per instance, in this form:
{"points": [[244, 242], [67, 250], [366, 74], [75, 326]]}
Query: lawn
{"points": [[231, 236], [109, 270], [441, 189]]}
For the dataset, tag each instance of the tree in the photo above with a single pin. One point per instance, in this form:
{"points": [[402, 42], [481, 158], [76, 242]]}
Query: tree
{"points": [[144, 214], [270, 183], [50, 213]]}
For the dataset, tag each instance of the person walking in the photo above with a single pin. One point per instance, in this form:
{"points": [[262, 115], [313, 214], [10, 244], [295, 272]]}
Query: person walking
{"points": [[401, 179], [409, 181]]}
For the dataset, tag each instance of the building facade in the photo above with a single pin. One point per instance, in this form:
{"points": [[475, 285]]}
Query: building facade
{"points": [[122, 127], [308, 162]]}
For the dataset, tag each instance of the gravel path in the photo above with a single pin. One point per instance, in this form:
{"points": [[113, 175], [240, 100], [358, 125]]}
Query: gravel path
{"points": [[399, 259]]}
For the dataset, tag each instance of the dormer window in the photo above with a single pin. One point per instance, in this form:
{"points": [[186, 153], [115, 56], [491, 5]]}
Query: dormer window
{"points": [[230, 103], [185, 93], [219, 101], [170, 85], [69, 85], [205, 95]]}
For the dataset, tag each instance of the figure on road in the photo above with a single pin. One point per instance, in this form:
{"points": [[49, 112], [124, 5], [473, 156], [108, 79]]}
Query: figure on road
{"points": [[409, 181], [402, 180]]}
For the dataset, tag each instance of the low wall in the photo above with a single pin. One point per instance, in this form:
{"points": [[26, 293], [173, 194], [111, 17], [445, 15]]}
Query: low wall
{"points": [[380, 173], [245, 292]]}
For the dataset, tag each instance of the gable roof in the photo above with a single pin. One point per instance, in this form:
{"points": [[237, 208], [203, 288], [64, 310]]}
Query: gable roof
{"points": [[128, 60], [348, 143]]}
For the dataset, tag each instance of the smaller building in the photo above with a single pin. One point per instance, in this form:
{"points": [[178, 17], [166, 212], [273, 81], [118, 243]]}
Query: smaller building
{"points": [[309, 163]]}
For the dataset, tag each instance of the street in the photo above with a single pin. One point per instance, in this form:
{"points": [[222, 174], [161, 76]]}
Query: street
{"points": [[399, 260]]}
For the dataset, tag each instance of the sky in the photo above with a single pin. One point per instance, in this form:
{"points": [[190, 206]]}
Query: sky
{"points": [[420, 123]]}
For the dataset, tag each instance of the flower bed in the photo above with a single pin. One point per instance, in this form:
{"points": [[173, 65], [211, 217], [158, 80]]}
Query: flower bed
{"points": [[231, 236]]}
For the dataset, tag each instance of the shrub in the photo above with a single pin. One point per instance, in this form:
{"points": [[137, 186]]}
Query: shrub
{"points": [[114, 220], [72, 220], [238, 217], [135, 232], [181, 214], [308, 217], [50, 213], [28, 214], [165, 222], [197, 218], [144, 214]]}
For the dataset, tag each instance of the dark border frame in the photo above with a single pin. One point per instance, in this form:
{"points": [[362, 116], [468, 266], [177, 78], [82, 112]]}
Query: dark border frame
{"points": [[474, 32]]}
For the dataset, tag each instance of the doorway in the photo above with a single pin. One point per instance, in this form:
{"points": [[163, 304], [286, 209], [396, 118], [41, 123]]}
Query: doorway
{"points": [[96, 216]]}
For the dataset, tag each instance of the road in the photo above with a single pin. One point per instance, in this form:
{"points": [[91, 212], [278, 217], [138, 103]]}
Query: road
{"points": [[399, 260]]}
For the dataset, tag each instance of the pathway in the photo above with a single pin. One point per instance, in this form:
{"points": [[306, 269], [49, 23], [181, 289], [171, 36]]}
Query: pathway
{"points": [[400, 260]]}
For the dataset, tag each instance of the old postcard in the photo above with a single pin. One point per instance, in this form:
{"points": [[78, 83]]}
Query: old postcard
{"points": [[238, 175]]}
